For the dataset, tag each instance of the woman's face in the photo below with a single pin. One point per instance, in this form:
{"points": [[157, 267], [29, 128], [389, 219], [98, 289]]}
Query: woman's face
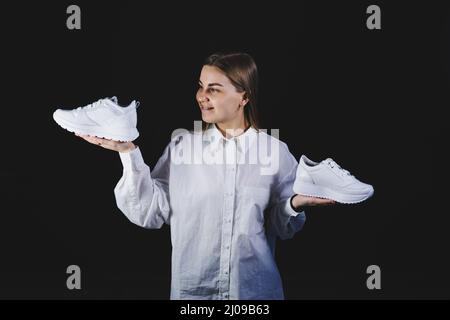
{"points": [[218, 99]]}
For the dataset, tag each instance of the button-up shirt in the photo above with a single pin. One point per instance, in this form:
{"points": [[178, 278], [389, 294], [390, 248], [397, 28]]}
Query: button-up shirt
{"points": [[225, 209]]}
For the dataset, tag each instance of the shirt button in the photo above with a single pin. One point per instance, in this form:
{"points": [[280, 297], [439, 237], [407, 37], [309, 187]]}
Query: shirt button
{"points": [[229, 220], [228, 247]]}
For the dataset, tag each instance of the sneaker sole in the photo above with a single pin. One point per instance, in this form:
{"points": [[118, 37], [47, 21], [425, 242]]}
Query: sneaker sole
{"points": [[125, 136], [312, 190]]}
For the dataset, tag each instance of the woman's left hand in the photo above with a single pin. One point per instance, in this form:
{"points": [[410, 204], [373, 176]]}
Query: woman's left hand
{"points": [[305, 201]]}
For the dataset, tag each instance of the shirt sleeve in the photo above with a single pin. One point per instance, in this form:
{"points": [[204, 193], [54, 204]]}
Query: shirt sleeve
{"points": [[283, 220], [143, 196]]}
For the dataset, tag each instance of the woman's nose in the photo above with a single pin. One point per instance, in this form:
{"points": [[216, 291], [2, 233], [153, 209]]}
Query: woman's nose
{"points": [[201, 99]]}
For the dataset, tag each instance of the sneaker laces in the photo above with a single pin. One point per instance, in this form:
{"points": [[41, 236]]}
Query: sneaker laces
{"points": [[333, 165], [91, 105], [97, 103]]}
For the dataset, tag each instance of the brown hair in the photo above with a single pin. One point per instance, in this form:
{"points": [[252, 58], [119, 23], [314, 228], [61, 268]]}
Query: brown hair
{"points": [[241, 69]]}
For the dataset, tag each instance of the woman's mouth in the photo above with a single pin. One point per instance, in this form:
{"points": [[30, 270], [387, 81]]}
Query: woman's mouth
{"points": [[206, 109]]}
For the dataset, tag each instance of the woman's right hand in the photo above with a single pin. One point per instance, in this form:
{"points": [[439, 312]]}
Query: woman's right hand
{"points": [[109, 144]]}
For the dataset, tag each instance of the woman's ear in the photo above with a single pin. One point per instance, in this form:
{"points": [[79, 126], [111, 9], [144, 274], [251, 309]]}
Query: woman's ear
{"points": [[244, 100]]}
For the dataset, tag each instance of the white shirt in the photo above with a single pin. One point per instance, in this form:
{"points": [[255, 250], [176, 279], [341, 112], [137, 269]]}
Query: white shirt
{"points": [[224, 217]]}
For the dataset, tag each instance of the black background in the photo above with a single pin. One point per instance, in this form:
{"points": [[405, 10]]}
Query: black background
{"points": [[375, 101]]}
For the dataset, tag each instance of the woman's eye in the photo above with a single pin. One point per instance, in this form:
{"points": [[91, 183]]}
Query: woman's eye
{"points": [[213, 90]]}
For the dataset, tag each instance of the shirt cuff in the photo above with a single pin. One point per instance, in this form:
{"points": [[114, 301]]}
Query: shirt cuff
{"points": [[132, 160], [290, 210]]}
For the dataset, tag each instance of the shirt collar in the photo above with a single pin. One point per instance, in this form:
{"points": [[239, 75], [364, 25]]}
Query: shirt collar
{"points": [[215, 138]]}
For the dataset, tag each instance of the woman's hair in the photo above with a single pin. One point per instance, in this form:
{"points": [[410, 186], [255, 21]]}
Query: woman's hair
{"points": [[241, 69]]}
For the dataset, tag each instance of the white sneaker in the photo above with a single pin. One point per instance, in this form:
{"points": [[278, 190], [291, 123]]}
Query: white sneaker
{"points": [[103, 118], [326, 179]]}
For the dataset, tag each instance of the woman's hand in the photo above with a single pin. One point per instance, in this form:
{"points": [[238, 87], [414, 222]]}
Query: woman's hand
{"points": [[109, 144], [300, 201]]}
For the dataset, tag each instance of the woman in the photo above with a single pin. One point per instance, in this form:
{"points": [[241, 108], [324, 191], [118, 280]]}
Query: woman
{"points": [[224, 214]]}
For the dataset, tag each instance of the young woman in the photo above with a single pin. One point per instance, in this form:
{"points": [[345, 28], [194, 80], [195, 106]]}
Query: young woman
{"points": [[225, 213]]}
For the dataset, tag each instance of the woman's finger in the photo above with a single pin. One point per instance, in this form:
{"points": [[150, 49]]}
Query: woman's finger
{"points": [[104, 143], [320, 201], [95, 140], [92, 140]]}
